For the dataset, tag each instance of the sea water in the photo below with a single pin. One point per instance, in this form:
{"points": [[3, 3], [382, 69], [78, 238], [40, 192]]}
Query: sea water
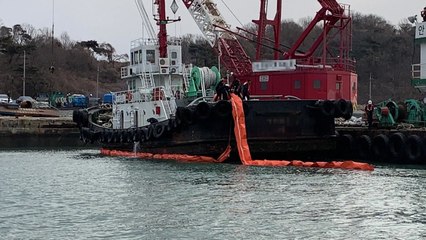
{"points": [[79, 194]]}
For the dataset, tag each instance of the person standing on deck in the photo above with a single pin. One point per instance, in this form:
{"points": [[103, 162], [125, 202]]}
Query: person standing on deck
{"points": [[245, 90], [222, 91], [369, 111]]}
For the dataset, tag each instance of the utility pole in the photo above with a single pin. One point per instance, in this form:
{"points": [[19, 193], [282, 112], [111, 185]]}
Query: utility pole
{"points": [[97, 83], [369, 92], [23, 79]]}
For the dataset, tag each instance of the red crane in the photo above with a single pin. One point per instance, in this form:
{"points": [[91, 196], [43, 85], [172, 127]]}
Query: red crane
{"points": [[305, 74]]}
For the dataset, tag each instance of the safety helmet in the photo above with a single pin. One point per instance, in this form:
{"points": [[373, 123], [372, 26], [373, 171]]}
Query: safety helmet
{"points": [[370, 102]]}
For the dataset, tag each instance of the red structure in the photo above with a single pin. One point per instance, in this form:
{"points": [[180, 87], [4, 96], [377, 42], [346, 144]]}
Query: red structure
{"points": [[323, 71]]}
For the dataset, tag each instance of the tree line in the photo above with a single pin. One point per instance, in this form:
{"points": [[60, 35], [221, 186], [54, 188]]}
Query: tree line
{"points": [[383, 54]]}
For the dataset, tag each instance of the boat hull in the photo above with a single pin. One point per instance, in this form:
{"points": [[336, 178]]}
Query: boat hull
{"points": [[276, 129]]}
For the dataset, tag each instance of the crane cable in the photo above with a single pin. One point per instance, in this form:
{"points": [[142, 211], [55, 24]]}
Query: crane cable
{"points": [[232, 13]]}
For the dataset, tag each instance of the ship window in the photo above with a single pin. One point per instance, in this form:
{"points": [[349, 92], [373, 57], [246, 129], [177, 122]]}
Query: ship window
{"points": [[174, 55], [317, 84], [136, 57], [338, 85], [140, 56], [132, 58], [150, 56], [297, 84]]}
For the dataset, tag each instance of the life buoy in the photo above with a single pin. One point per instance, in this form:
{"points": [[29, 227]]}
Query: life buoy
{"points": [[380, 147], [223, 109], [364, 147], [397, 146], [202, 110], [414, 149], [158, 130]]}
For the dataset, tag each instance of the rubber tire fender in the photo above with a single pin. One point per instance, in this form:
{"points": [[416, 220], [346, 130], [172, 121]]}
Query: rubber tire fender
{"points": [[158, 130], [327, 108], [76, 116], [397, 146], [341, 108], [364, 147], [185, 115], [345, 145], [136, 136], [110, 137], [223, 109], [414, 149], [148, 132], [202, 110], [380, 147]]}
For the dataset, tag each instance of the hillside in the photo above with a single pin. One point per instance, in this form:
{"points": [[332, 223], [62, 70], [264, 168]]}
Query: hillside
{"points": [[381, 50]]}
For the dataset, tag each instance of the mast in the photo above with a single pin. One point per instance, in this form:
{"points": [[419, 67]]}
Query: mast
{"points": [[162, 22]]}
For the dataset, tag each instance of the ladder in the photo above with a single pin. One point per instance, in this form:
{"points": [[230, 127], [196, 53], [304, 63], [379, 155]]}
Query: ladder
{"points": [[147, 77], [186, 76]]}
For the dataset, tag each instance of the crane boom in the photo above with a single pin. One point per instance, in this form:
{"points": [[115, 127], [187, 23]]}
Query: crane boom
{"points": [[209, 20], [145, 19]]}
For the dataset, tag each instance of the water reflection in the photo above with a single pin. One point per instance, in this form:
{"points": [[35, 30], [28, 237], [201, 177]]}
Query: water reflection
{"points": [[56, 194]]}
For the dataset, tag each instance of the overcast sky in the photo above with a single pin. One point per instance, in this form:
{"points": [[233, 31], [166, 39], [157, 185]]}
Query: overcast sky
{"points": [[118, 21]]}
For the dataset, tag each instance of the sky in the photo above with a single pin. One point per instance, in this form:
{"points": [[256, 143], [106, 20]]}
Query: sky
{"points": [[118, 21]]}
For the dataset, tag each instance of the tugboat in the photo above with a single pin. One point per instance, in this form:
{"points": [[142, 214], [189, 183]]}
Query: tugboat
{"points": [[170, 107]]}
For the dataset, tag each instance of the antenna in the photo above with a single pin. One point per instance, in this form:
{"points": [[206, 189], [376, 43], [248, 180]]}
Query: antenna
{"points": [[52, 68]]}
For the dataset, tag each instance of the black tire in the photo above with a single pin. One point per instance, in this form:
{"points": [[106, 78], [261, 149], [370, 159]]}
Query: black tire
{"points": [[341, 108], [148, 132], [414, 149], [397, 147], [76, 116], [345, 145], [158, 130], [223, 109], [202, 110], [136, 135], [84, 118], [327, 108], [380, 147], [364, 147], [110, 136], [185, 115], [350, 111]]}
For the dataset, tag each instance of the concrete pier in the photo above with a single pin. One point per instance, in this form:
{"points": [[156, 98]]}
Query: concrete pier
{"points": [[38, 132]]}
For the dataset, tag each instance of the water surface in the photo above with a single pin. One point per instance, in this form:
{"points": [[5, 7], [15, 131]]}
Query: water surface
{"points": [[78, 194]]}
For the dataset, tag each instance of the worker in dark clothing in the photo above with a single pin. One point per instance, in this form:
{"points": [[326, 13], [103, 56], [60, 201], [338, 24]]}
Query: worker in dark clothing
{"points": [[222, 91], [245, 90], [423, 13], [369, 111], [236, 87]]}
